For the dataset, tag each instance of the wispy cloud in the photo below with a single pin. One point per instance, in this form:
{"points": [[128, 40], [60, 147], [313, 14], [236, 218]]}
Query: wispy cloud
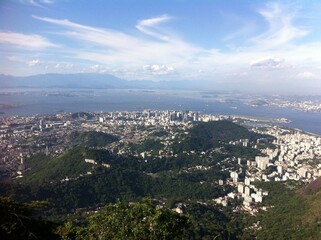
{"points": [[281, 28], [26, 41], [114, 47], [149, 27], [37, 3], [103, 37]]}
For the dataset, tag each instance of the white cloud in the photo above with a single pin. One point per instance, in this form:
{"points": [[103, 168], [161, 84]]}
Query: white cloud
{"points": [[114, 48], [306, 75], [64, 66], [95, 68], [281, 29], [158, 69], [34, 62], [31, 41], [148, 26], [103, 37], [267, 62]]}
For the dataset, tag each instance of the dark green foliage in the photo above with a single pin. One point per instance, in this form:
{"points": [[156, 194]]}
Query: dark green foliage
{"points": [[285, 220], [83, 115], [137, 221], [204, 134], [17, 221], [41, 169], [183, 186], [92, 139], [208, 222], [149, 144], [242, 152], [160, 133], [127, 178], [176, 163], [207, 135]]}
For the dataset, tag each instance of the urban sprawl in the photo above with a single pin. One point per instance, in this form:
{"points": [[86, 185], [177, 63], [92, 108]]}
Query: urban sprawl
{"points": [[295, 156]]}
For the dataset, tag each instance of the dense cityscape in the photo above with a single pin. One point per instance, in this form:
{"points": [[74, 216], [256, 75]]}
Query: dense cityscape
{"points": [[294, 155]]}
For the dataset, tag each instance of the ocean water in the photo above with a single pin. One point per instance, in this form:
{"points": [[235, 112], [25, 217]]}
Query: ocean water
{"points": [[37, 101]]}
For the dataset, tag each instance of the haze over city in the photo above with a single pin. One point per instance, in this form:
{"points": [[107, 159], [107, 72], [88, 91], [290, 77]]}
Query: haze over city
{"points": [[271, 46]]}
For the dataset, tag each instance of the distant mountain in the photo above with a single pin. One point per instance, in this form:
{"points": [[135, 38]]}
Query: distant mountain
{"points": [[88, 80], [81, 80]]}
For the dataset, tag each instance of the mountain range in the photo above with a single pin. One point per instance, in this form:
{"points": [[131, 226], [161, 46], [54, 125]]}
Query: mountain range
{"points": [[89, 80]]}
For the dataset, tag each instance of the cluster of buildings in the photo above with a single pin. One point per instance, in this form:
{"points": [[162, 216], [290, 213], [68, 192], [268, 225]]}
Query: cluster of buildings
{"points": [[296, 156], [152, 118], [23, 136], [304, 105]]}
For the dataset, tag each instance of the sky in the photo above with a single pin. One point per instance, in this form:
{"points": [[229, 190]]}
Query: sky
{"points": [[261, 45]]}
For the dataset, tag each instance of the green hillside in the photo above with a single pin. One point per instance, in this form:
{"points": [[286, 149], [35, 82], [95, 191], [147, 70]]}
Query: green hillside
{"points": [[206, 135], [41, 169], [127, 178], [294, 212], [92, 139]]}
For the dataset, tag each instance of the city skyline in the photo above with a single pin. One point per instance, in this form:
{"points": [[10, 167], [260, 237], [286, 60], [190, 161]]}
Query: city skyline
{"points": [[272, 45]]}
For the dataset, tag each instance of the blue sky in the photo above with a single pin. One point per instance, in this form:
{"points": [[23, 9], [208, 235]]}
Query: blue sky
{"points": [[232, 44]]}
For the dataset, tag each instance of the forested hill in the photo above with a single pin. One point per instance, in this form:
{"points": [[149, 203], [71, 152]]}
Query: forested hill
{"points": [[223, 131], [294, 211], [92, 139], [41, 169], [206, 135]]}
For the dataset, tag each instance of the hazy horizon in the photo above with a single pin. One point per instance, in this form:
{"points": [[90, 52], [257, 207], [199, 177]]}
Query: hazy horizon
{"points": [[250, 46]]}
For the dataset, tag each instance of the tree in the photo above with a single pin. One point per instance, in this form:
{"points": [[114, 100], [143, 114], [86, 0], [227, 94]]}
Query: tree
{"points": [[17, 221], [137, 221]]}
